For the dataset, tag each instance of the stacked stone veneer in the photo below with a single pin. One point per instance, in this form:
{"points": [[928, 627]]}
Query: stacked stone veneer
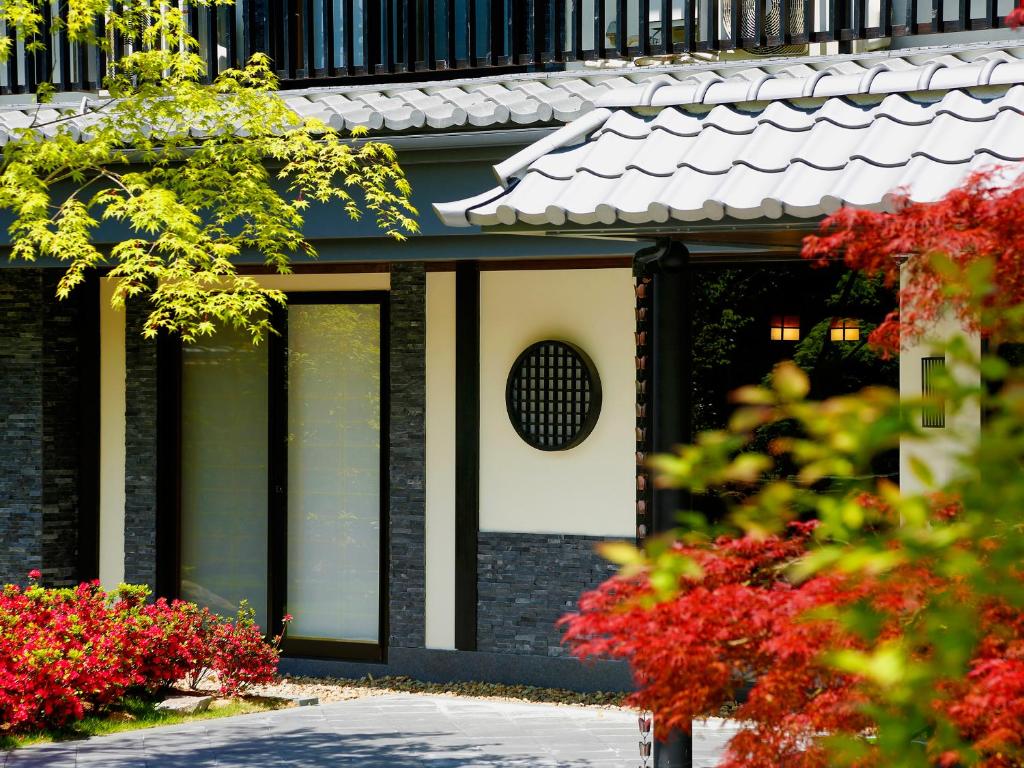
{"points": [[140, 466], [407, 502], [526, 582], [39, 427]]}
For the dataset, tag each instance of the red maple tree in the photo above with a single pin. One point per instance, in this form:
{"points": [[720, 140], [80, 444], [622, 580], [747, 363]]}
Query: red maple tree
{"points": [[787, 648]]}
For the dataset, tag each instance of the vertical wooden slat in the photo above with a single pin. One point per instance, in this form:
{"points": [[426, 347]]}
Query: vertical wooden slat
{"points": [[809, 20], [516, 31], [212, 43], [64, 47], [667, 43], [860, 13], [885, 18], [496, 27], [600, 29], [12, 63], [329, 34], [833, 20], [734, 24], [99, 56], [471, 32], [757, 37], [29, 67], [576, 29], [644, 27], [430, 39], [622, 27], [450, 50], [410, 31], [784, 35], [371, 35], [714, 22], [964, 14], [938, 15], [558, 42], [308, 33], [349, 28], [991, 12], [82, 69], [690, 24], [231, 33], [44, 57]]}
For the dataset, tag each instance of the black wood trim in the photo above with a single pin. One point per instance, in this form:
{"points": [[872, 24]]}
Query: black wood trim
{"points": [[168, 466], [467, 451], [89, 429], [277, 468]]}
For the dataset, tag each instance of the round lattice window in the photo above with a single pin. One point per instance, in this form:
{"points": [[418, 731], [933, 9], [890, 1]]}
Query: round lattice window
{"points": [[553, 395]]}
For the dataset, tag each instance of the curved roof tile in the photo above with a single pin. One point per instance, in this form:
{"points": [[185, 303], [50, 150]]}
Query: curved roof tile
{"points": [[852, 141]]}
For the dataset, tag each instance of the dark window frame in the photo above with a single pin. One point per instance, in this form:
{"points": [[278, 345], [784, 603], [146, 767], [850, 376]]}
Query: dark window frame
{"points": [[169, 478]]}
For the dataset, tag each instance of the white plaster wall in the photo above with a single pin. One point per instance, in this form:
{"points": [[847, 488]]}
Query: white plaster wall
{"points": [[590, 489], [440, 457], [940, 450], [112, 439]]}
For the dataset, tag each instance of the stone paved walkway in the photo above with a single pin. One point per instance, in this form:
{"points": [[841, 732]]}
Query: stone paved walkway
{"points": [[378, 732]]}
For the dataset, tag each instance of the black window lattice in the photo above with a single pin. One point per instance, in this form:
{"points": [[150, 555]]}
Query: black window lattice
{"points": [[553, 396], [933, 415]]}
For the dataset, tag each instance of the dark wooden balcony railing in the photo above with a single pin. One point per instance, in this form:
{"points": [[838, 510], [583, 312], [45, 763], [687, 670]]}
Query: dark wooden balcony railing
{"points": [[320, 41]]}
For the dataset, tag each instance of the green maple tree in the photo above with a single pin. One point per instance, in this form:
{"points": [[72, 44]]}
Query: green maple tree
{"points": [[190, 175]]}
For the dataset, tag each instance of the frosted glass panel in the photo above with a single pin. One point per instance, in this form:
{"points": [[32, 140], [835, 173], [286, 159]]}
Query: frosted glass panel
{"points": [[333, 582], [224, 473]]}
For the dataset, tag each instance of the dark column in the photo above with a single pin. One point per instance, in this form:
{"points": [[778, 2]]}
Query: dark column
{"points": [[467, 452], [407, 456], [669, 374]]}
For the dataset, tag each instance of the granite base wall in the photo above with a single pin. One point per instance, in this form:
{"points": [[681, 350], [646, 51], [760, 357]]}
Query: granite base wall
{"points": [[526, 582]]}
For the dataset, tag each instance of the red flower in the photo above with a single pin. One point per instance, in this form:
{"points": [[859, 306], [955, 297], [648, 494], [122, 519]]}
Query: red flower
{"points": [[1016, 17], [35, 574]]}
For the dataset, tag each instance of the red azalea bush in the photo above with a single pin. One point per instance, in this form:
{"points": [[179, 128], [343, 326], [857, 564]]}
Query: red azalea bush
{"points": [[64, 652]]}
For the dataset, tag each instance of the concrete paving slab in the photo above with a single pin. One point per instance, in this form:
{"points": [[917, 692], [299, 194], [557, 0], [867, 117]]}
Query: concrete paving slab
{"points": [[394, 731]]}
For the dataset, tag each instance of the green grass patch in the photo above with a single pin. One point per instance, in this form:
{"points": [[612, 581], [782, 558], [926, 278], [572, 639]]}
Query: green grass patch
{"points": [[133, 713]]}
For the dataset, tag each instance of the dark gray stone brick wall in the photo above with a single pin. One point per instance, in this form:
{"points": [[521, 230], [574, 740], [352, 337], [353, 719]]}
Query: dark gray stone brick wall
{"points": [[526, 582], [61, 436], [407, 500], [140, 450], [39, 427], [21, 429]]}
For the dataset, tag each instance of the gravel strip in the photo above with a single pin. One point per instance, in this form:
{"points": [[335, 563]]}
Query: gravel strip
{"points": [[328, 690]]}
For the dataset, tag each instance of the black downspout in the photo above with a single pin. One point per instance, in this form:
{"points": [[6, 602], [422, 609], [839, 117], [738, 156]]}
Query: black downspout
{"points": [[670, 374]]}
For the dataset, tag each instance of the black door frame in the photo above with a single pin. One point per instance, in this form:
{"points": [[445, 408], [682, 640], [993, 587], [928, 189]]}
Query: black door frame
{"points": [[169, 482]]}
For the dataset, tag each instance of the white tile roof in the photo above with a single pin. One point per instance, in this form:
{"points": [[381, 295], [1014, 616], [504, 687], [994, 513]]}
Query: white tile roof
{"points": [[799, 142], [510, 101]]}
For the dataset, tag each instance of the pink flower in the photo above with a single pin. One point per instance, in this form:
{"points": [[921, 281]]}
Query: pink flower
{"points": [[287, 617], [35, 574]]}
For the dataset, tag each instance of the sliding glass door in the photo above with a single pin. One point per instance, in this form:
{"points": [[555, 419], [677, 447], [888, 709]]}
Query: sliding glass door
{"points": [[282, 474], [334, 471], [223, 481]]}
